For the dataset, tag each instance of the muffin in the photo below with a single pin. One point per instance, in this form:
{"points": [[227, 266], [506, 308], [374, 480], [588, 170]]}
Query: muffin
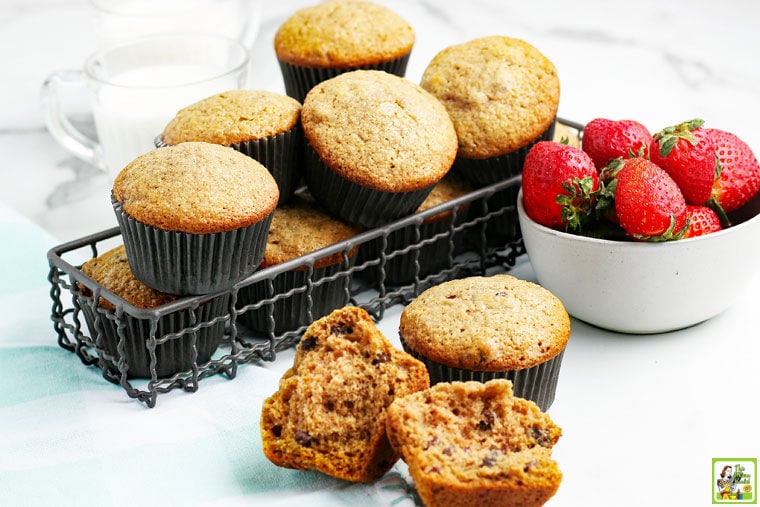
{"points": [[321, 41], [194, 217], [177, 354], [480, 328], [474, 444], [502, 95], [261, 124], [299, 228], [329, 411], [376, 145], [435, 241]]}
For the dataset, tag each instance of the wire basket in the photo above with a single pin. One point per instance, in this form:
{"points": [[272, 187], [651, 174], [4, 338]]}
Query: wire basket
{"points": [[100, 335]]}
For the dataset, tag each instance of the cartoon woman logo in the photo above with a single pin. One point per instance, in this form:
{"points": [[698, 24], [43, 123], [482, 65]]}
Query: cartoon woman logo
{"points": [[726, 484], [729, 482]]}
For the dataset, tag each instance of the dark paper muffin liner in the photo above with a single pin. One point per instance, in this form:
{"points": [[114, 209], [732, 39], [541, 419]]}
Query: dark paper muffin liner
{"points": [[299, 80], [281, 154], [292, 312], [432, 257], [537, 384], [176, 354], [479, 173], [183, 263], [355, 203]]}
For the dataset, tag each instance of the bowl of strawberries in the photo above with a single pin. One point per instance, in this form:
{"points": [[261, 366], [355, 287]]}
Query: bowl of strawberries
{"points": [[643, 233]]}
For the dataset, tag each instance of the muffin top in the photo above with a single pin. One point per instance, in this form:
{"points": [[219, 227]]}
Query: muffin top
{"points": [[501, 93], [301, 227], [343, 34], [494, 323], [234, 117], [380, 131], [112, 271], [196, 188]]}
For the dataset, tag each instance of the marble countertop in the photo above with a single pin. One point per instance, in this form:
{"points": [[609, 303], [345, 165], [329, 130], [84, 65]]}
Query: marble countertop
{"points": [[640, 415]]}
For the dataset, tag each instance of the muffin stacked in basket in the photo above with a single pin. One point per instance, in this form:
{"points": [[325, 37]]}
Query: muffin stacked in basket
{"points": [[194, 220]]}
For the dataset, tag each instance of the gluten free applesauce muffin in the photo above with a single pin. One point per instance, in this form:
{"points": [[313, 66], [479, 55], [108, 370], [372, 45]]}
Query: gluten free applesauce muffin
{"points": [[264, 125], [376, 145], [329, 412], [480, 328], [194, 217], [299, 228], [321, 41], [502, 95], [474, 444], [111, 270]]}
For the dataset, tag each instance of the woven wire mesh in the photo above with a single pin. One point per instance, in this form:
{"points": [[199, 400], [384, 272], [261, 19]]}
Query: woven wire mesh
{"points": [[458, 246]]}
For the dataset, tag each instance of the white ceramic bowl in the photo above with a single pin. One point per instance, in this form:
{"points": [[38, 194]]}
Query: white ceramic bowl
{"points": [[637, 287]]}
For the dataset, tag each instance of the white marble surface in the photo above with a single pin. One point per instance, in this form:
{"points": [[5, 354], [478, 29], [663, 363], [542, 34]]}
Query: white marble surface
{"points": [[641, 415]]}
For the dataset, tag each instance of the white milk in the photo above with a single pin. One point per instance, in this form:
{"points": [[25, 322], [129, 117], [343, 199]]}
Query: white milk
{"points": [[130, 113]]}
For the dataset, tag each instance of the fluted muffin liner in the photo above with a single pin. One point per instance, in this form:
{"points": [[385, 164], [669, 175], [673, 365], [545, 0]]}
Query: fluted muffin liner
{"points": [[354, 203], [299, 80], [281, 154], [483, 172], [290, 313], [537, 384], [431, 257], [176, 354], [183, 263]]}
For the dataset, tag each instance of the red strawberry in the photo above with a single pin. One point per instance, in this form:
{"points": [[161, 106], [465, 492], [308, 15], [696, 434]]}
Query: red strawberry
{"points": [[605, 140], [702, 220], [558, 183], [739, 178], [648, 203], [686, 152]]}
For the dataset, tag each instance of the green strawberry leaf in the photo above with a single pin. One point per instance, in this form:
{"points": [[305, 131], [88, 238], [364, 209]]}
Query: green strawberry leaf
{"points": [[669, 234], [668, 137], [577, 203]]}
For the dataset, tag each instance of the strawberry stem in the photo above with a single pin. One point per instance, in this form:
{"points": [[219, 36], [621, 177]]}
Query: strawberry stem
{"points": [[714, 205], [668, 137], [577, 203]]}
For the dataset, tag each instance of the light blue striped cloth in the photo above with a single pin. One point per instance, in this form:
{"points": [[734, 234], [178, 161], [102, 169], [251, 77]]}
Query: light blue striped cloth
{"points": [[69, 437]]}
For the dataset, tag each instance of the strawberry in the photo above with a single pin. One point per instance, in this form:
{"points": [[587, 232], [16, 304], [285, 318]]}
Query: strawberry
{"points": [[648, 202], [687, 153], [739, 178], [702, 220], [605, 140], [559, 182]]}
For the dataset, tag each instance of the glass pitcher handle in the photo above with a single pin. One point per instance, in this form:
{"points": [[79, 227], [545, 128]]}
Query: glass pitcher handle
{"points": [[59, 125]]}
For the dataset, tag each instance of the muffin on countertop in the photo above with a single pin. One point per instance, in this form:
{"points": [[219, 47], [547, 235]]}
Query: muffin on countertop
{"points": [[329, 411], [474, 444], [488, 327], [194, 217], [379, 143], [323, 40], [264, 125]]}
